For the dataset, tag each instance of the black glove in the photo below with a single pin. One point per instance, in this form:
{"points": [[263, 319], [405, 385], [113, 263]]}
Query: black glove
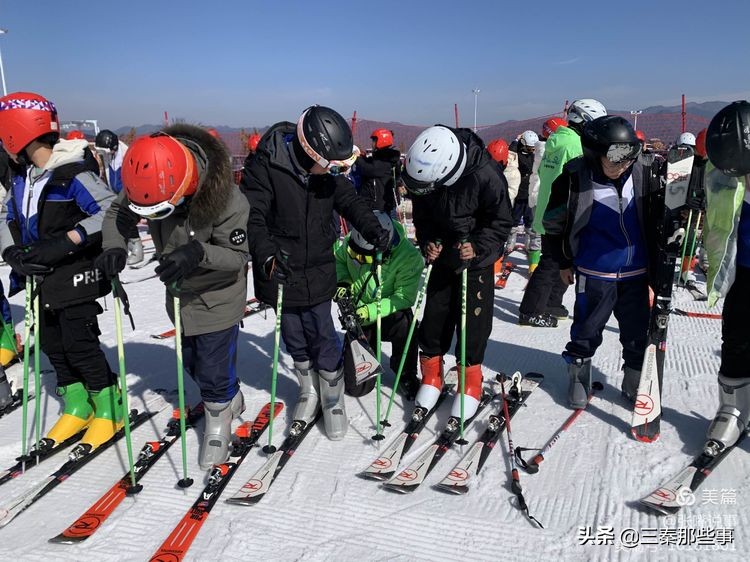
{"points": [[382, 241], [177, 265], [111, 262], [343, 292], [276, 267], [50, 251], [15, 257]]}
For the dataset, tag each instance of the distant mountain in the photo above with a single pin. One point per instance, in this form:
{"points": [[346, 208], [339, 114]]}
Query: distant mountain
{"points": [[663, 122]]}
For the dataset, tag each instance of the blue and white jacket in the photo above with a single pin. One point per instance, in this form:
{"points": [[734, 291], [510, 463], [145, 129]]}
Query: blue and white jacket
{"points": [[114, 168], [67, 195], [603, 232]]}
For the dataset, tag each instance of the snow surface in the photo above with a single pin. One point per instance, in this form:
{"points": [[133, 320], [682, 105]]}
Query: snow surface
{"points": [[318, 509]]}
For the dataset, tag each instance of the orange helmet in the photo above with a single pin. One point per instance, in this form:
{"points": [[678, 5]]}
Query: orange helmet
{"points": [[383, 138], [700, 144], [75, 135], [24, 117], [252, 142], [158, 172], [551, 125], [498, 149]]}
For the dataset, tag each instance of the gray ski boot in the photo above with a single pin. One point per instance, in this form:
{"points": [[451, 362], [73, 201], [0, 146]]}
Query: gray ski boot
{"points": [[733, 416], [631, 380], [135, 251], [6, 396], [308, 401], [332, 401], [580, 383], [218, 430]]}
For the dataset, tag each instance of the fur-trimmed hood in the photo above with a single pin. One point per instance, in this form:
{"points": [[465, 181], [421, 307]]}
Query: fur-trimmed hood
{"points": [[215, 185]]}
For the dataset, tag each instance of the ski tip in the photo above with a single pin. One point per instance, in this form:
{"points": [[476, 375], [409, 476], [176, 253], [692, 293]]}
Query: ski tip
{"points": [[641, 438], [450, 489], [398, 489], [377, 476], [244, 501], [62, 538]]}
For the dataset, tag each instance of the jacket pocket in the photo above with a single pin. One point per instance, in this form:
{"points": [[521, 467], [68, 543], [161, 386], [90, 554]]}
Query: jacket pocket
{"points": [[285, 228]]}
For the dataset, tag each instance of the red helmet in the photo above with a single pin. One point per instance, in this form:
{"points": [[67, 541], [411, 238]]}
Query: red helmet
{"points": [[641, 136], [214, 133], [75, 135], [700, 144], [383, 138], [252, 142], [158, 171], [551, 125], [498, 149], [25, 117]]}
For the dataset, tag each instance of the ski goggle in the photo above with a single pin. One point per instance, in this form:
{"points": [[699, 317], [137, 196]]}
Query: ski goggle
{"points": [[359, 257], [155, 212], [619, 153]]}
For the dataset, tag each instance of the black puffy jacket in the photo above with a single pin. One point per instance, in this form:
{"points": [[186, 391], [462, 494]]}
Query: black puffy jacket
{"points": [[292, 211], [525, 166], [476, 208], [378, 174]]}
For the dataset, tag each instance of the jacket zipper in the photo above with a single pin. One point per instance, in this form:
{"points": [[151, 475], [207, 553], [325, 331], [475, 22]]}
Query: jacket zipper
{"points": [[625, 232]]}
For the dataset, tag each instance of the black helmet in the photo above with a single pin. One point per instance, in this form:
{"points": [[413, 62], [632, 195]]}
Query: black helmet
{"points": [[106, 139], [324, 135], [728, 139], [611, 136]]}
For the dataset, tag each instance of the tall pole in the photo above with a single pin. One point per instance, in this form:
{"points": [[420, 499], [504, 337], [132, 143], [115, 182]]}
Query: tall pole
{"points": [[354, 123], [455, 110], [476, 98], [683, 113], [2, 69], [635, 113]]}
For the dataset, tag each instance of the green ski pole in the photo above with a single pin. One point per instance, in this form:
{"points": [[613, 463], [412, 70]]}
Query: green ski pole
{"points": [[270, 449], [410, 334], [117, 290], [26, 358], [184, 482], [378, 341]]}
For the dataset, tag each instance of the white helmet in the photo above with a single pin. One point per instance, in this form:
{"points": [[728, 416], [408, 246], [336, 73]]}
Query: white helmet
{"points": [[686, 138], [436, 158], [529, 139], [362, 247], [582, 111]]}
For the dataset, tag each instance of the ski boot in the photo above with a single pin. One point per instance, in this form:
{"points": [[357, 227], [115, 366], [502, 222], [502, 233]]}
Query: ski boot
{"points": [[217, 433], [432, 382], [108, 416], [631, 380], [135, 251], [308, 401], [77, 414], [558, 312], [6, 395], [733, 416], [332, 402], [537, 320], [472, 390], [580, 382], [409, 386]]}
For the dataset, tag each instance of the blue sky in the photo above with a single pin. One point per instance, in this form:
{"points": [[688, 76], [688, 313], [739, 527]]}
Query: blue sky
{"points": [[252, 63]]}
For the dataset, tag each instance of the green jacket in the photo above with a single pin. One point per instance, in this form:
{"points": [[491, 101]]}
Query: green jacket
{"points": [[724, 196], [401, 272], [562, 146]]}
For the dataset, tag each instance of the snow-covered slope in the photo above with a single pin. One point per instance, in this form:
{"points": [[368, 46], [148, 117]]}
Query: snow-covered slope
{"points": [[319, 510]]}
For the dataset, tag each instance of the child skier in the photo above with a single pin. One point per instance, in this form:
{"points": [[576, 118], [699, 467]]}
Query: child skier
{"points": [[52, 231], [181, 182], [294, 184], [727, 241], [599, 240], [401, 271], [462, 218]]}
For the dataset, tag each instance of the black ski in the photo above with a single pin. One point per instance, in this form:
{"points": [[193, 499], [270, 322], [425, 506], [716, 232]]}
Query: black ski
{"points": [[80, 456], [88, 523], [680, 490], [245, 438], [259, 483], [458, 479], [384, 467], [411, 477]]}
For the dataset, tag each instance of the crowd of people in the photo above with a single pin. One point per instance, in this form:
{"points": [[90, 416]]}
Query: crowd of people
{"points": [[580, 197]]}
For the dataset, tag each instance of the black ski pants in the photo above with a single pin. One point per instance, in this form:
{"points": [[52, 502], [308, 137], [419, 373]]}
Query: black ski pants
{"points": [[596, 300], [442, 313], [735, 335], [545, 289], [394, 329], [70, 339]]}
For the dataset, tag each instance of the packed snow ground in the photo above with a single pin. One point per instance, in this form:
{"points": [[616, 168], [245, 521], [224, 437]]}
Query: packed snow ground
{"points": [[318, 509]]}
